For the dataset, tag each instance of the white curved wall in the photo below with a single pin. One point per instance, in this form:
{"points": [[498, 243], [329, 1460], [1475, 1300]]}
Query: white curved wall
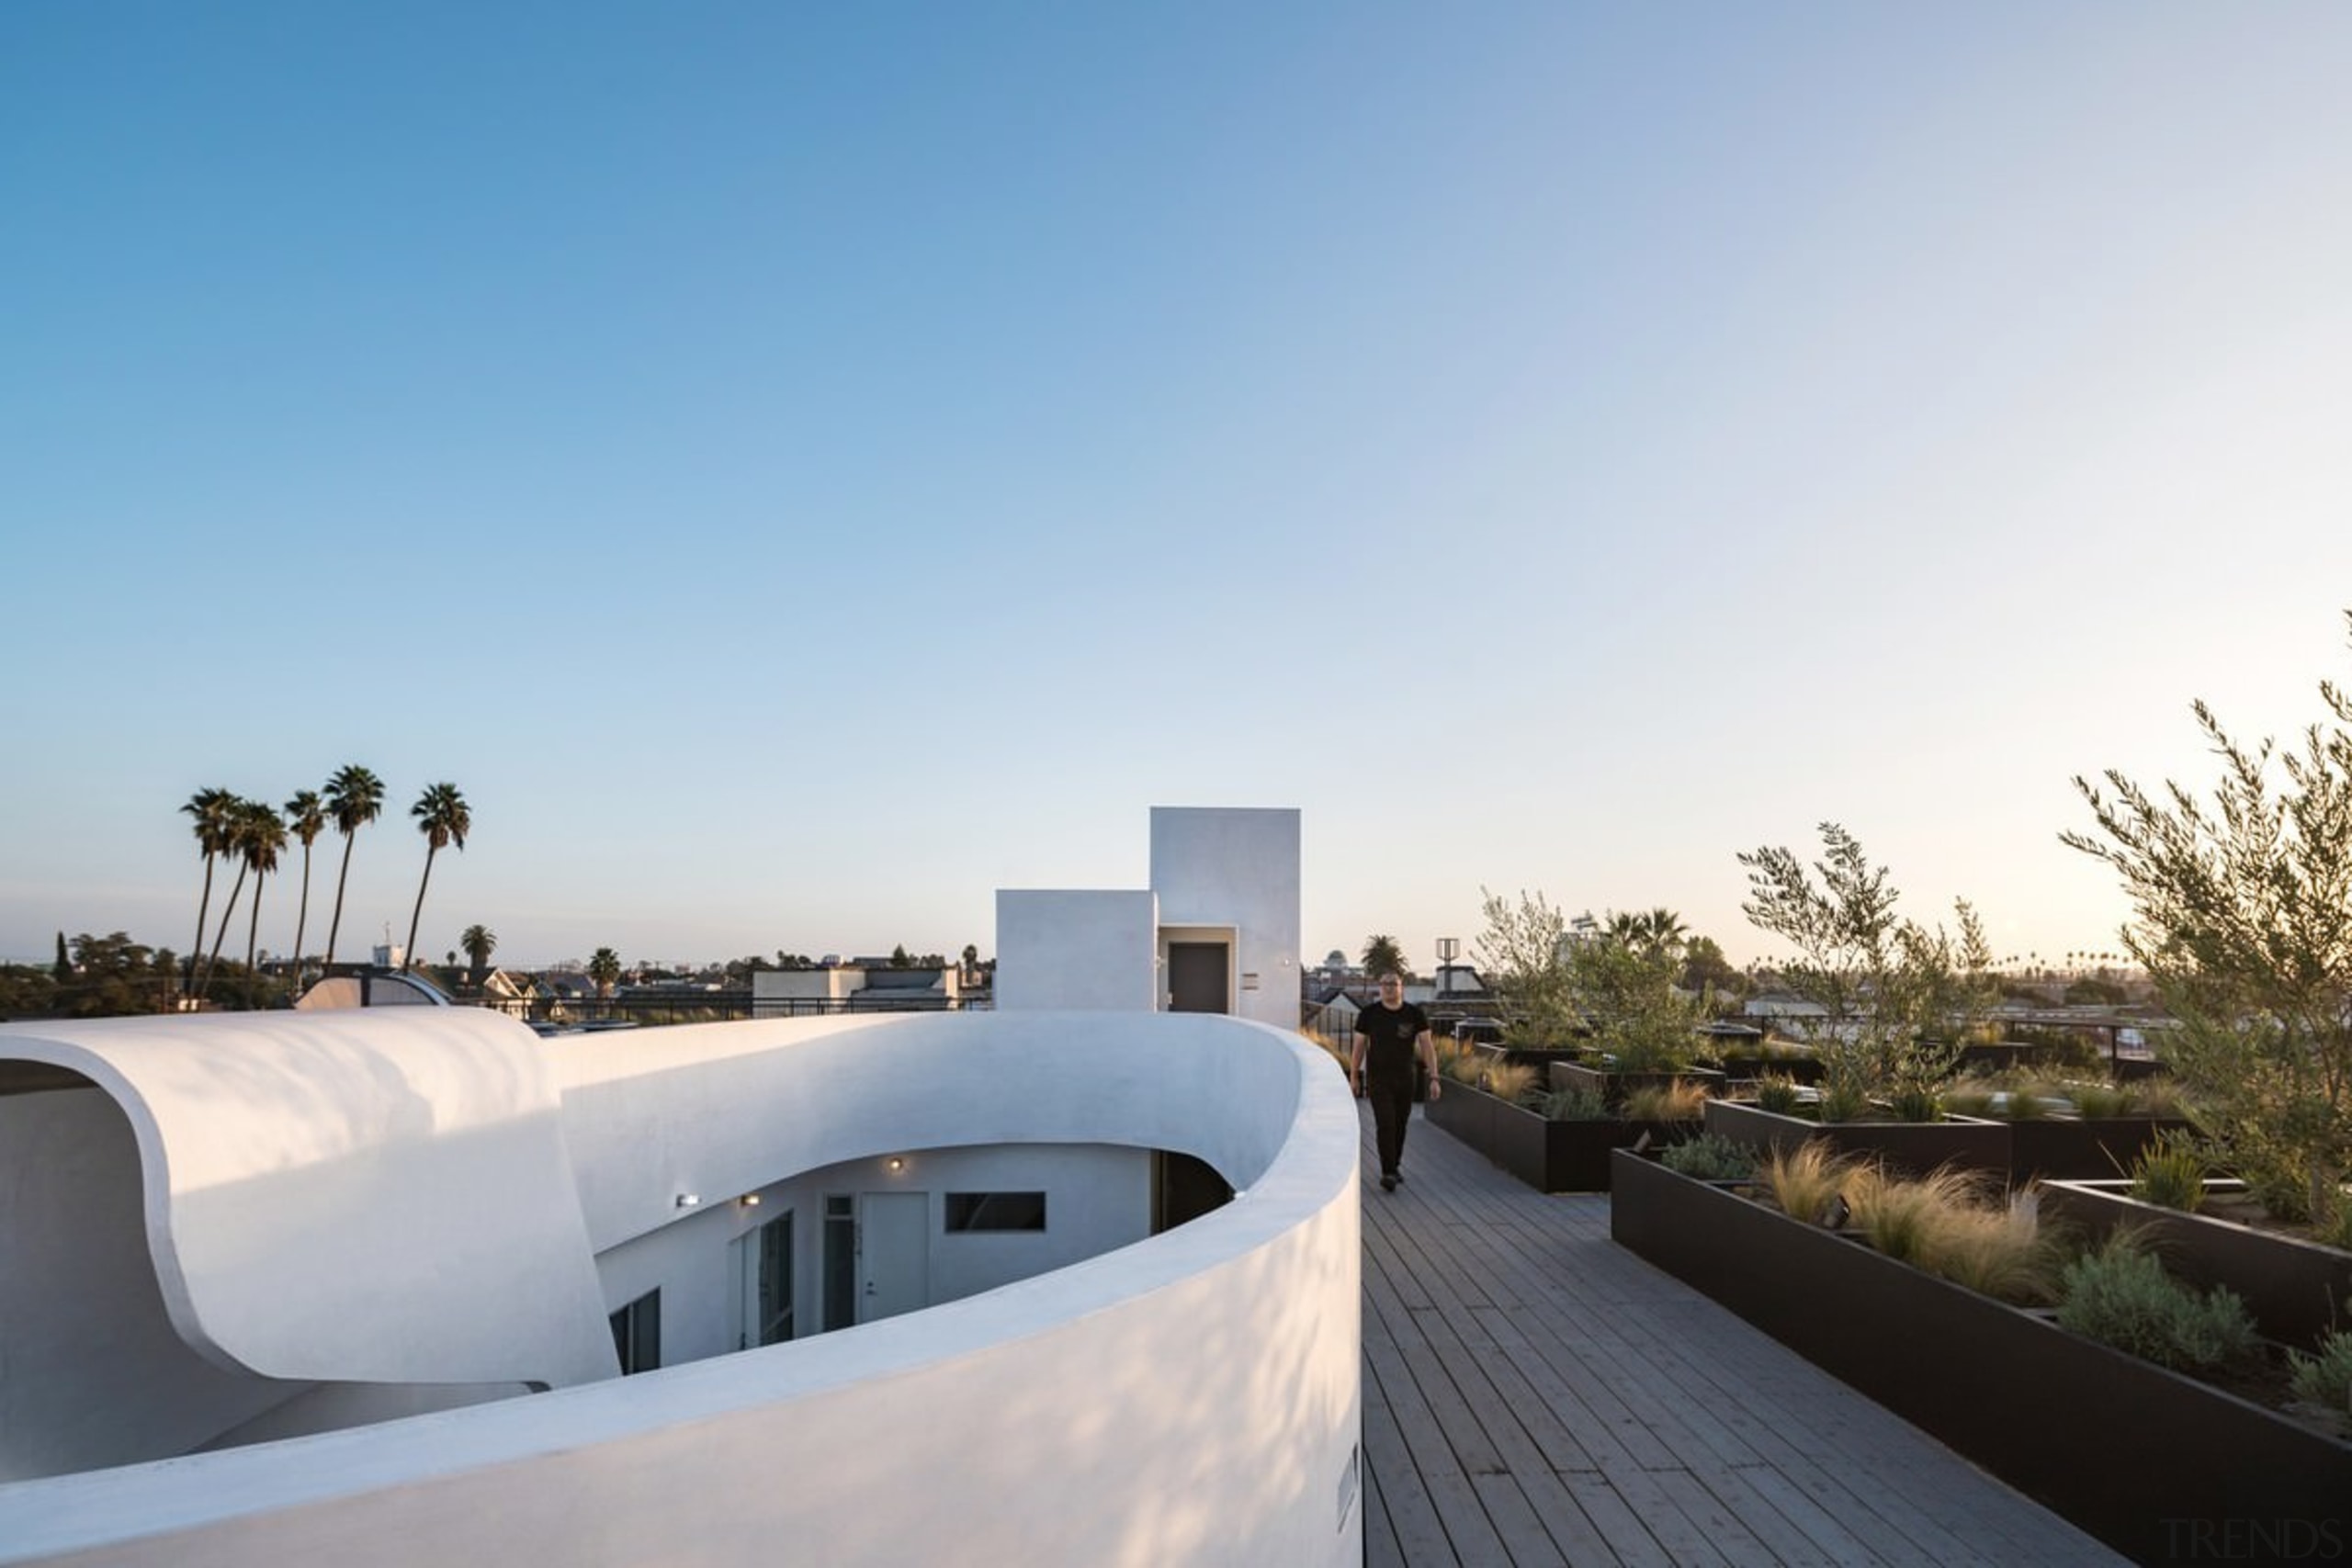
{"points": [[379, 1197], [1192, 1398]]}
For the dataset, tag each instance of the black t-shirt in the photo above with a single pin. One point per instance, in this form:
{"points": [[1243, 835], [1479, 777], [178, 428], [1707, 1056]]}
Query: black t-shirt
{"points": [[1389, 1033]]}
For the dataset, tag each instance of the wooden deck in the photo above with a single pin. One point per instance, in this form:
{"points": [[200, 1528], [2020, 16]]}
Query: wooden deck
{"points": [[1534, 1393]]}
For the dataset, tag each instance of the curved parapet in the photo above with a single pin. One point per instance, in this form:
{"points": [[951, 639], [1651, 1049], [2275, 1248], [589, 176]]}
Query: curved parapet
{"points": [[363, 1197], [1190, 1398]]}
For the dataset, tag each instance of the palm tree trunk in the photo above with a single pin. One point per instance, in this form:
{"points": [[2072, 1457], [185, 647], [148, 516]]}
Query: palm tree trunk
{"points": [[341, 877], [408, 958], [202, 904], [253, 926], [221, 932], [302, 919]]}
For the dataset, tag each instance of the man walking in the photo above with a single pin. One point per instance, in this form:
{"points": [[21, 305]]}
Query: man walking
{"points": [[1391, 1035]]}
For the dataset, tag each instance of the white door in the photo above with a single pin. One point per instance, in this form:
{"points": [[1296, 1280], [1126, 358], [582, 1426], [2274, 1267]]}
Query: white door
{"points": [[893, 1254]]}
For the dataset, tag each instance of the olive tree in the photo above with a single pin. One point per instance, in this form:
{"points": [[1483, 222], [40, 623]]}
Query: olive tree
{"points": [[1626, 984], [1524, 955], [2241, 914], [1897, 998]]}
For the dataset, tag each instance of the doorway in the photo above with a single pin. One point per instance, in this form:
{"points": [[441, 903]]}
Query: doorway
{"points": [[893, 1254], [764, 1265], [1200, 976]]}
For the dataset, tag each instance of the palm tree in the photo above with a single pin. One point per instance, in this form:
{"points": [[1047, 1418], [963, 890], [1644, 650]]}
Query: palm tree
{"points": [[443, 816], [1383, 956], [238, 833], [479, 943], [605, 968], [1664, 929], [1658, 931], [355, 797], [210, 807], [306, 817], [265, 837]]}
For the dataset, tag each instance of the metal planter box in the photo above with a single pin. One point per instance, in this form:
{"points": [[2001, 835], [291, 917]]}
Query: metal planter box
{"points": [[2148, 1462]]}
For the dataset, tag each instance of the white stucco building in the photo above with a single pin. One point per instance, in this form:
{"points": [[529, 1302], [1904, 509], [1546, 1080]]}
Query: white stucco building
{"points": [[403, 1285], [1216, 931]]}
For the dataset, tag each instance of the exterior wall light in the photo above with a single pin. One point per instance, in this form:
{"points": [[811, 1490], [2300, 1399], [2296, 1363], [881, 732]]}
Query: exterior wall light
{"points": [[749, 1199], [689, 1199], [896, 1164]]}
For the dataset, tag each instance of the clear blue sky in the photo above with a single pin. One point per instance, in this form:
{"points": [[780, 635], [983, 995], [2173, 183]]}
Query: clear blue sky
{"points": [[800, 468]]}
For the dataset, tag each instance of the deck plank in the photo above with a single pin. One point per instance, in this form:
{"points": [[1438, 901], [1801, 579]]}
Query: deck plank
{"points": [[1534, 1393]]}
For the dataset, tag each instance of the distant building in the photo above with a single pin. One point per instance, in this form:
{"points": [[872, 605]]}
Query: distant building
{"points": [[853, 987]]}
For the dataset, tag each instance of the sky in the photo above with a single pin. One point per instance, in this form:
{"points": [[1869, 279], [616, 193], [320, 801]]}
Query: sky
{"points": [[798, 469]]}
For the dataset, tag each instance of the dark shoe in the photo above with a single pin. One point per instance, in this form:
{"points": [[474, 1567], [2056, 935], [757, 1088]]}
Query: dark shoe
{"points": [[1397, 1177], [1388, 1182]]}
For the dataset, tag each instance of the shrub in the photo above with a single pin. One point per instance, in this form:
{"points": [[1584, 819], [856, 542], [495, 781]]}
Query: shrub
{"points": [[2028, 1100], [1843, 1103], [2099, 1102], [1629, 989], [2122, 1296], [1682, 1101], [1574, 1105], [1711, 1158], [2238, 916], [2170, 1173], [1917, 1104], [2325, 1380], [1897, 996], [1778, 1093], [1969, 1097], [2157, 1097]]}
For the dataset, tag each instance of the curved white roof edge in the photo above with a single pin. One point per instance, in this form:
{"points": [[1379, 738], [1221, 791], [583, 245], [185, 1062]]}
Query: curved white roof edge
{"points": [[319, 1186], [1065, 1407]]}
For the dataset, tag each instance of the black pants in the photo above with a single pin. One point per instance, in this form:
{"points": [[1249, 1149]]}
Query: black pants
{"points": [[1392, 1107]]}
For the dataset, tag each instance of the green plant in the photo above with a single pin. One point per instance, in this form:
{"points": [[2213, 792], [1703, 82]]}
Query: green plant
{"points": [[1521, 953], [1898, 997], [1916, 1104], [2158, 1097], [1627, 985], [1806, 1181], [2029, 1098], [2122, 1296], [1710, 1157], [2170, 1173], [1576, 1104], [1969, 1097], [1778, 1094], [2324, 1379], [2239, 919], [1680, 1100], [1844, 1103], [2099, 1102]]}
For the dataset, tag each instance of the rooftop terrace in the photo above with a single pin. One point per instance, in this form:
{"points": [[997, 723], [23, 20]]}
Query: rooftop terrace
{"points": [[1534, 1393]]}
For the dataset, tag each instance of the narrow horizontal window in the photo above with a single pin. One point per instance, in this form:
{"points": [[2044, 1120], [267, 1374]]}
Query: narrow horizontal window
{"points": [[995, 1211]]}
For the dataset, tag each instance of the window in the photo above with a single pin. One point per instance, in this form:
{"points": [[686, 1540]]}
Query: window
{"points": [[969, 1212], [636, 1332]]}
